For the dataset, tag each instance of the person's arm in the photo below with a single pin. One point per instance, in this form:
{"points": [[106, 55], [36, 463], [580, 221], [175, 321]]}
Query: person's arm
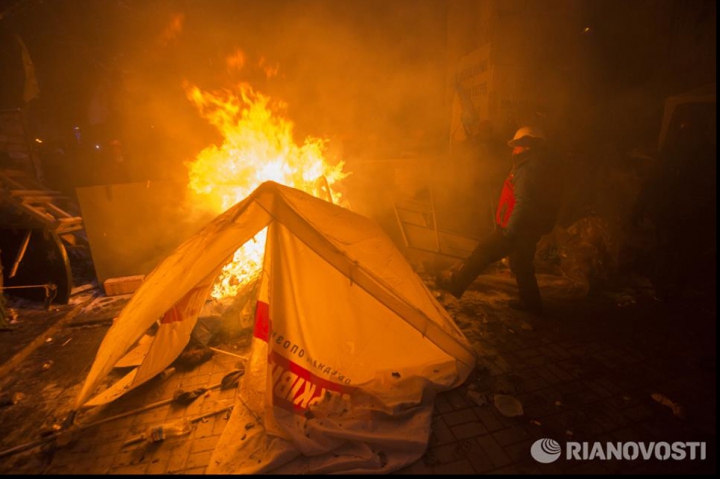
{"points": [[523, 185]]}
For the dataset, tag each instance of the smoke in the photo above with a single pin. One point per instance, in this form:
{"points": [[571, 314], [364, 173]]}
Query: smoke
{"points": [[368, 73], [374, 76]]}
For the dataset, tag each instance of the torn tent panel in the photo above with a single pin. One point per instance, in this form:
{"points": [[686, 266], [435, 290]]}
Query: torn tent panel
{"points": [[329, 358]]}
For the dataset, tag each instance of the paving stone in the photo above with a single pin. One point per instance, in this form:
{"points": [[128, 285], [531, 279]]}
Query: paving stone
{"points": [[442, 405], [158, 465], [456, 400], [444, 454], [198, 459], [107, 449], [511, 470], [205, 429], [128, 457], [60, 469], [493, 451], [489, 418], [204, 444], [102, 464], [520, 452], [459, 417], [537, 361], [468, 430], [627, 434], [153, 416], [458, 467], [440, 433], [416, 468], [547, 375], [194, 471], [477, 457], [219, 425], [129, 469], [638, 413], [178, 452], [511, 435], [215, 378], [528, 353], [588, 467]]}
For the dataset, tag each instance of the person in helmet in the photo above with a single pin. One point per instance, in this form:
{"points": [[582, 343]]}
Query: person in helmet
{"points": [[527, 209]]}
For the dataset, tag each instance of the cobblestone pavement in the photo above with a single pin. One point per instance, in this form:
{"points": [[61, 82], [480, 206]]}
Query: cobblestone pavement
{"points": [[586, 372]]}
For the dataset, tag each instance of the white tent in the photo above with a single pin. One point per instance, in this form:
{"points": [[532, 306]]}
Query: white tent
{"points": [[349, 345]]}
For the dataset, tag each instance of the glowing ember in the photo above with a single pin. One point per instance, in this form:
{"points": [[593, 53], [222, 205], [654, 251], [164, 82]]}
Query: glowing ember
{"points": [[257, 146]]}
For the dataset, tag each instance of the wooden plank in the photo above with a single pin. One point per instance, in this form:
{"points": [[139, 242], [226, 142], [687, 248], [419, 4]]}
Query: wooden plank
{"points": [[35, 193], [13, 184], [37, 199], [70, 221], [60, 211], [62, 230], [46, 218]]}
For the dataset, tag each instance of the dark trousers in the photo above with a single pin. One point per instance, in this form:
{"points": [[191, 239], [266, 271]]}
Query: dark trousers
{"points": [[495, 247]]}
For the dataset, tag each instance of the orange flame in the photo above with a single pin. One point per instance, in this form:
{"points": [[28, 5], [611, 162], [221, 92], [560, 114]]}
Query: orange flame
{"points": [[257, 146]]}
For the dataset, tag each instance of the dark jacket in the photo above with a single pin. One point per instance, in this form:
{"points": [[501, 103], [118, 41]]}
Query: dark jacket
{"points": [[531, 194]]}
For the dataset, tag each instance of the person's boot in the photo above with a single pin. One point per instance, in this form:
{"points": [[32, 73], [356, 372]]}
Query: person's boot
{"points": [[534, 309], [446, 281]]}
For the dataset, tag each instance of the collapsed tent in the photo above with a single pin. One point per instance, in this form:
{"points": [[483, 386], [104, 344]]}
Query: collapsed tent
{"points": [[349, 346]]}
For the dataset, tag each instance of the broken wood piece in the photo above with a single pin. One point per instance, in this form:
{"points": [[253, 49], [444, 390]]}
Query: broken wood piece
{"points": [[123, 285]]}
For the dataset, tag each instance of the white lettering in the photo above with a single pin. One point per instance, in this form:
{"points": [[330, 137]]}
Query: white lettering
{"points": [[626, 451], [678, 451], [662, 451], [573, 451]]}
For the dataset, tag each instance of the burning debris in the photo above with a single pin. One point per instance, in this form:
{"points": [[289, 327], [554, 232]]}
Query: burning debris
{"points": [[257, 146]]}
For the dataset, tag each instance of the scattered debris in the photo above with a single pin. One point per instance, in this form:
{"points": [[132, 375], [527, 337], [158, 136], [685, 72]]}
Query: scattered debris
{"points": [[536, 422], [558, 404], [569, 433], [6, 400], [227, 353], [17, 397], [508, 405], [167, 373], [67, 341], [191, 358], [478, 398], [180, 427], [82, 289], [231, 379], [622, 299], [396, 375], [677, 409], [47, 365], [124, 285], [66, 436], [187, 397]]}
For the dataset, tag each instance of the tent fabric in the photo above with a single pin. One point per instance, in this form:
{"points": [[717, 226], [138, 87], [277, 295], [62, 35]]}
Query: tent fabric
{"points": [[349, 345]]}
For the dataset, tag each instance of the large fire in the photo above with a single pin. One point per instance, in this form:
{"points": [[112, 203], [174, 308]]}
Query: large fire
{"points": [[257, 146]]}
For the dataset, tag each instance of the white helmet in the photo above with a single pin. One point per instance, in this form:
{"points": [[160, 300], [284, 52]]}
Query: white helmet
{"points": [[526, 132]]}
